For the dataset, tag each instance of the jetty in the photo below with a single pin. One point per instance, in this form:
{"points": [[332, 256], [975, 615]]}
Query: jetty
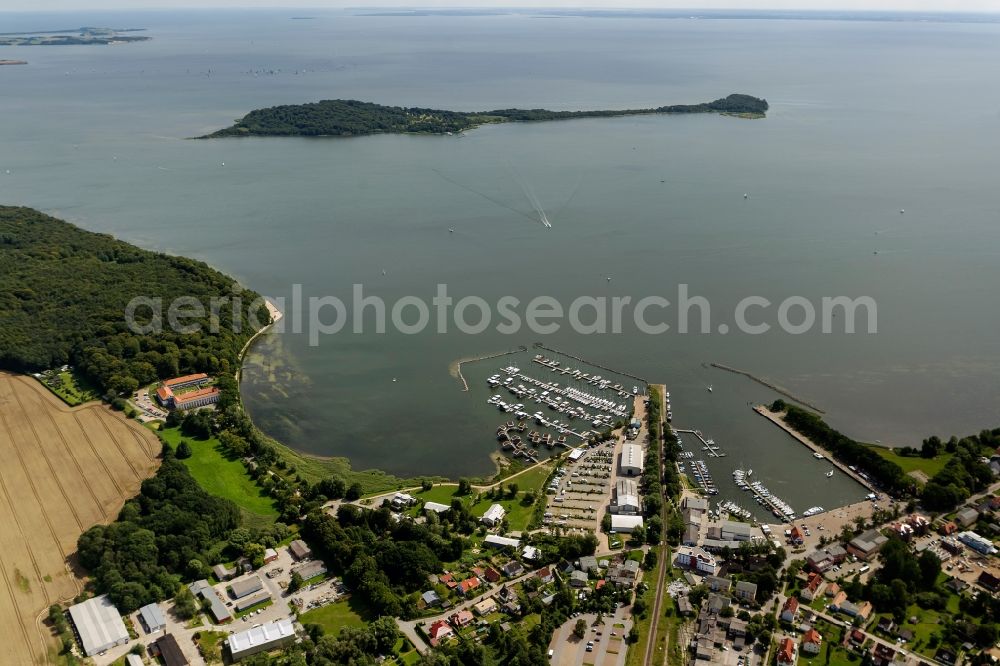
{"points": [[456, 366], [708, 445], [763, 382], [539, 345]]}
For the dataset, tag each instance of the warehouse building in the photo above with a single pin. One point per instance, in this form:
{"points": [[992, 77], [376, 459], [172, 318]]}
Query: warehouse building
{"points": [[625, 524], [310, 570], [632, 457], [299, 550], [170, 651], [260, 639], [246, 587], [98, 625], [152, 618], [626, 497], [251, 601], [217, 607]]}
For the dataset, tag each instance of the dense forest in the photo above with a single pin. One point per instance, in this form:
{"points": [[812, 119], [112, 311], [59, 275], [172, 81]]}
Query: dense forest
{"points": [[164, 535], [64, 299], [348, 117]]}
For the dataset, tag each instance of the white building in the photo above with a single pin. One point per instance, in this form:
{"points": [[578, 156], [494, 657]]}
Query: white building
{"points": [[697, 559], [977, 543], [625, 524], [436, 507], [495, 541], [632, 457], [153, 618], [493, 516], [260, 639], [99, 625], [626, 497]]}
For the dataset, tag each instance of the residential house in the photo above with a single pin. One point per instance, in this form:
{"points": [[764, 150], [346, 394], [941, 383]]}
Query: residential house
{"points": [[223, 573], [462, 618], [439, 631], [716, 602], [578, 579], [813, 586], [811, 642], [624, 574], [589, 565], [469, 586], [430, 599], [832, 590], [886, 625], [512, 569], [448, 580], [883, 655], [823, 559], [786, 651], [790, 610], [796, 536], [485, 607], [684, 606], [545, 575], [737, 627], [947, 529], [718, 584], [492, 575], [746, 591]]}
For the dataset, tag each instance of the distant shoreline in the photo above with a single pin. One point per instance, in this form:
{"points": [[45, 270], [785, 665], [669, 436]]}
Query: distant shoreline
{"points": [[13, 62]]}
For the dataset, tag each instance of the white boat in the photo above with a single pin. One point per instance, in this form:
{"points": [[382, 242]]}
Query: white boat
{"points": [[829, 474], [818, 456], [709, 388]]}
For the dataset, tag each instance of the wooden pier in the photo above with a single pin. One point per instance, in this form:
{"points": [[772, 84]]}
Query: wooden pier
{"points": [[539, 345], [712, 448], [455, 369]]}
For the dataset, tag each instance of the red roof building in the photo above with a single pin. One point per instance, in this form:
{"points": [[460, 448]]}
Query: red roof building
{"points": [[439, 631], [796, 536], [461, 619], [786, 651], [811, 642], [469, 585], [789, 610]]}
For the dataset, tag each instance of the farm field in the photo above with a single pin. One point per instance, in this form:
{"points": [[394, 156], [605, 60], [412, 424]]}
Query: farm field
{"points": [[63, 471]]}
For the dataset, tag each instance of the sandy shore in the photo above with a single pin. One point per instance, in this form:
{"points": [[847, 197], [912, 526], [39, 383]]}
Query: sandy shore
{"points": [[273, 310]]}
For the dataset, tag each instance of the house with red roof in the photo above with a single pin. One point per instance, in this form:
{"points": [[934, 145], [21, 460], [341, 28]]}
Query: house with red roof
{"points": [[448, 580], [439, 631], [811, 642], [492, 575], [469, 586], [796, 536], [790, 610], [786, 651], [811, 590], [545, 575]]}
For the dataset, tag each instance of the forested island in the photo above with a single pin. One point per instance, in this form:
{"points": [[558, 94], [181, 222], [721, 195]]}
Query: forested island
{"points": [[74, 37], [64, 296], [348, 117]]}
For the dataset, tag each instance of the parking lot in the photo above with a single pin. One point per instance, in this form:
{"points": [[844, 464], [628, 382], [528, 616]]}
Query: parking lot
{"points": [[148, 409], [583, 489], [603, 645]]}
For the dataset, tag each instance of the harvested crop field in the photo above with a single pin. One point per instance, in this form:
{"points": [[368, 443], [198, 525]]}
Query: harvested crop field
{"points": [[62, 471]]}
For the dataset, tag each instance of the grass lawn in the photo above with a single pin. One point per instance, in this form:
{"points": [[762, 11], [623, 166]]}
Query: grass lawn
{"points": [[210, 645], [442, 494], [532, 480], [518, 515], [222, 476], [73, 388], [332, 617], [929, 466], [254, 608], [637, 651]]}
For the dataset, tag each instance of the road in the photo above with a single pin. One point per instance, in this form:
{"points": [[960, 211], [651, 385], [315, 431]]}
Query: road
{"points": [[661, 564]]}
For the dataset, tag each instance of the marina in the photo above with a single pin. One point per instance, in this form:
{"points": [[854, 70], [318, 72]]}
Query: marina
{"points": [[703, 477], [580, 407]]}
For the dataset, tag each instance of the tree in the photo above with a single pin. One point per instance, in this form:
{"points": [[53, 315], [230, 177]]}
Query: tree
{"points": [[639, 534], [353, 492], [580, 628], [183, 450], [464, 487], [185, 605], [295, 582]]}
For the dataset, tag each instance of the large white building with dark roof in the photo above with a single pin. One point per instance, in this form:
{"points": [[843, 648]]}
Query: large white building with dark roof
{"points": [[98, 624]]}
